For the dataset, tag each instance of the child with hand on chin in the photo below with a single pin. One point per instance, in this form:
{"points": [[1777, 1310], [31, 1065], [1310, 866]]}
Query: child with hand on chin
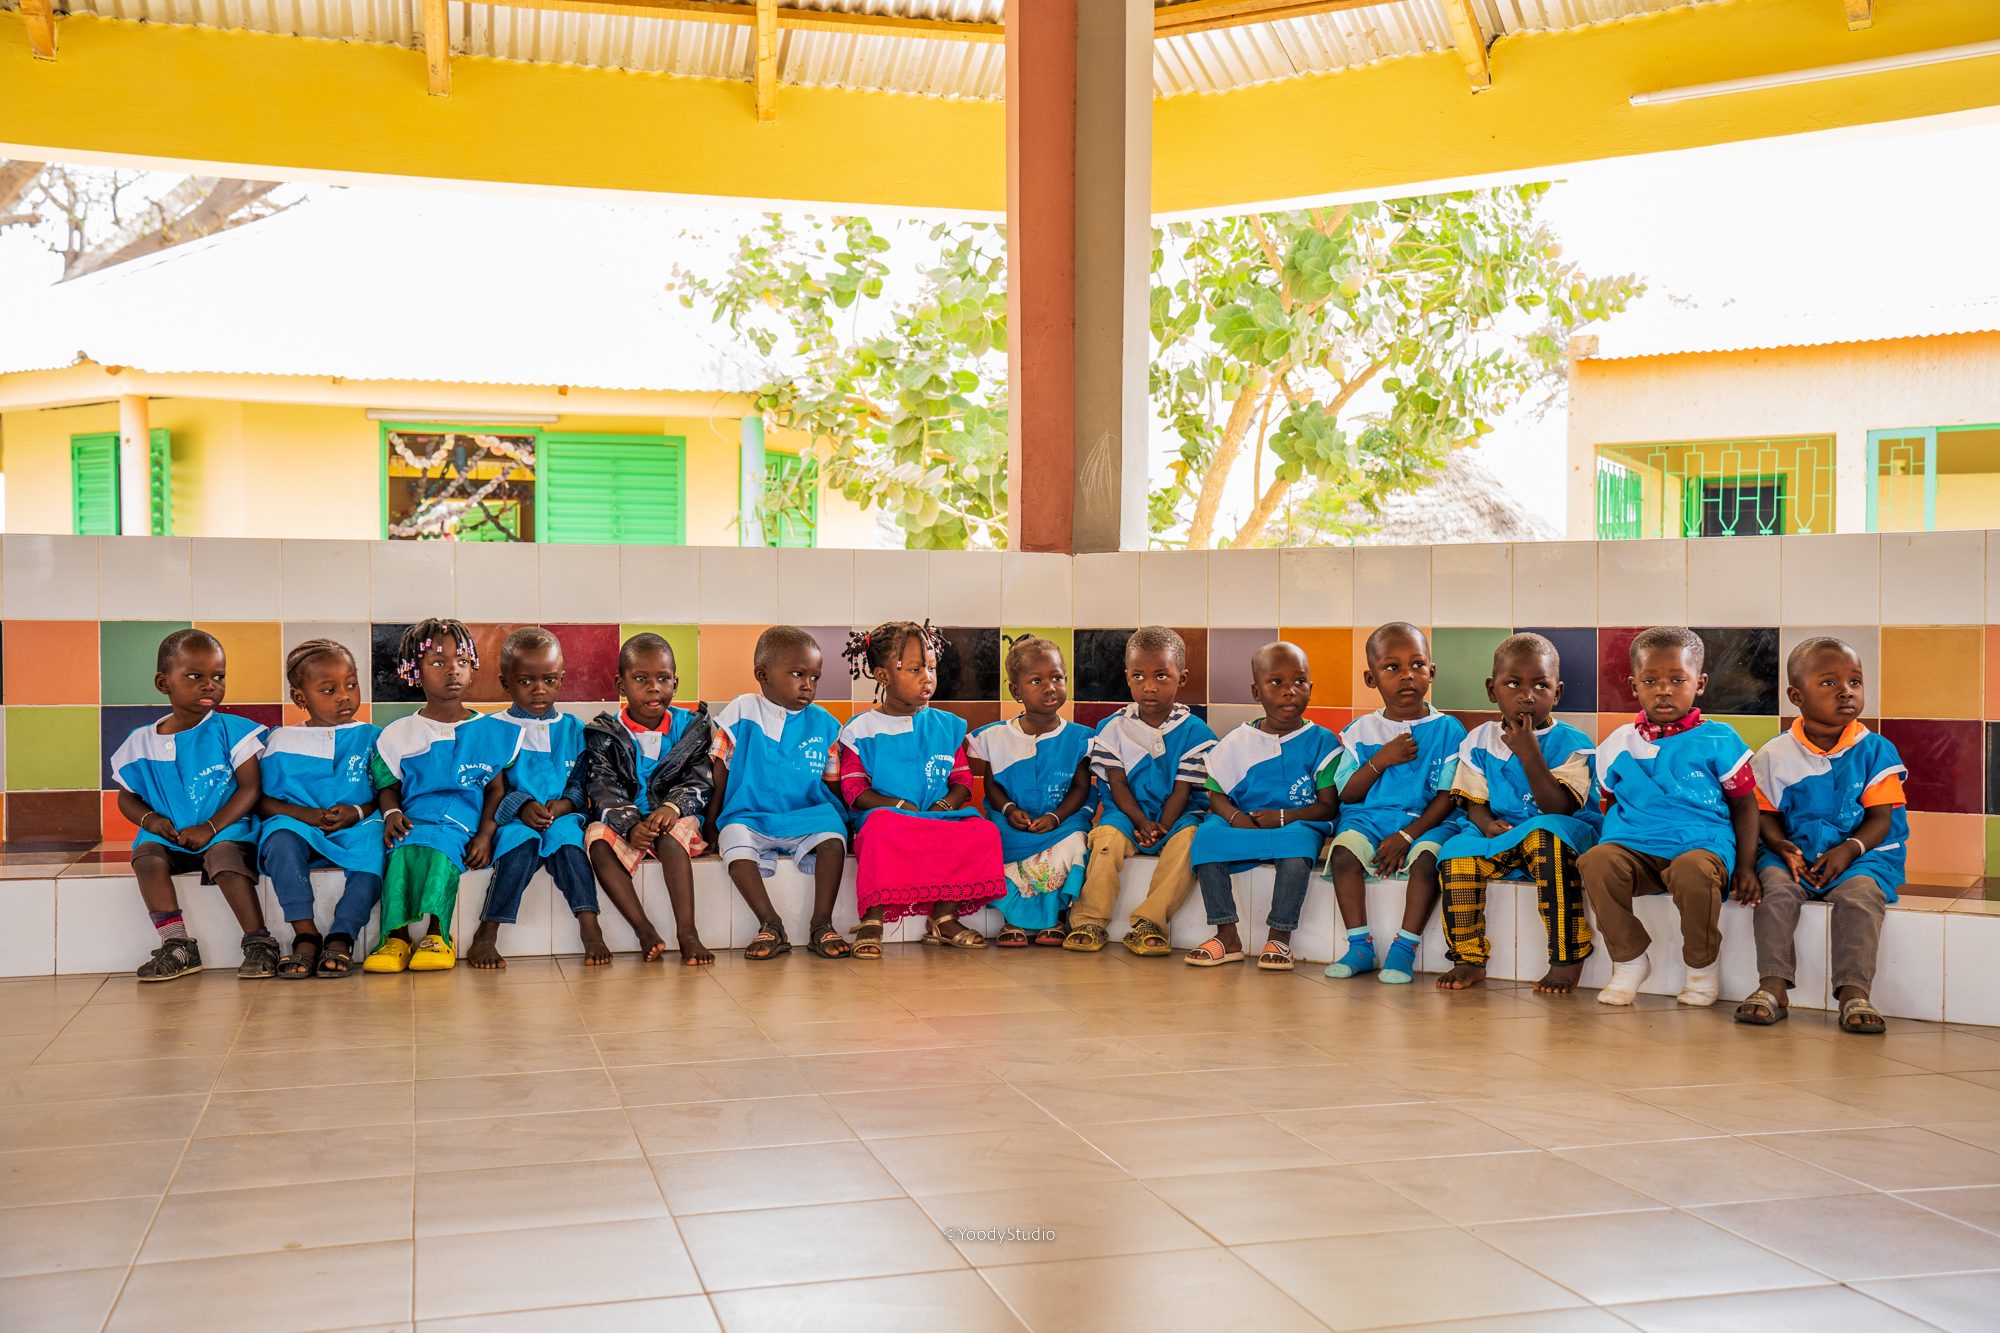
{"points": [[1680, 810], [1396, 810], [647, 782], [538, 824], [1036, 769], [438, 776], [190, 782], [1148, 760], [1270, 801], [1528, 786], [904, 774], [1834, 827], [318, 809], [775, 770]]}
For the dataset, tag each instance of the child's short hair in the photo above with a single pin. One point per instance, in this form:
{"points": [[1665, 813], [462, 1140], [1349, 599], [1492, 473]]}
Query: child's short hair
{"points": [[647, 642], [310, 651], [1819, 643], [1025, 646], [527, 639], [1669, 638], [1521, 645], [1395, 629], [178, 642], [425, 635], [1157, 639], [882, 646], [780, 639]]}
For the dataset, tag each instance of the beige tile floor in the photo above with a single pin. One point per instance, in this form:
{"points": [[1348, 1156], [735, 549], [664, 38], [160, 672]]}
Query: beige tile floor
{"points": [[794, 1144]]}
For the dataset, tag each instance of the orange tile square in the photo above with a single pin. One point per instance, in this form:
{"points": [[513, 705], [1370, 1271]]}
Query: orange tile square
{"points": [[116, 826], [1334, 720], [51, 662], [1942, 844], [1610, 722], [728, 661], [1330, 653], [255, 658], [840, 708], [1362, 698], [1932, 671], [1993, 673]]}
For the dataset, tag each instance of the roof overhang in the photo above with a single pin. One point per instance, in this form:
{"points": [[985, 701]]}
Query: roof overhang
{"points": [[256, 104]]}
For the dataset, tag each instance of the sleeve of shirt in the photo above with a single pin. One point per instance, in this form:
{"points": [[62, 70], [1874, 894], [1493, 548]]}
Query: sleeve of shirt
{"points": [[723, 745], [1887, 789], [1574, 773], [380, 773], [1193, 767], [1328, 772], [1345, 767], [1103, 759], [961, 769], [1448, 775], [1733, 770], [1469, 783], [853, 773], [249, 747]]}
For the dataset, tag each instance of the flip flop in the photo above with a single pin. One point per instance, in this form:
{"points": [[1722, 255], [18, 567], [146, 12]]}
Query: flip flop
{"points": [[1276, 956], [826, 942], [1212, 953], [1861, 1018], [1761, 1009], [771, 937]]}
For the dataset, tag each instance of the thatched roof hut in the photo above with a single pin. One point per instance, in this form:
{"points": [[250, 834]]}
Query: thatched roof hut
{"points": [[1465, 503]]}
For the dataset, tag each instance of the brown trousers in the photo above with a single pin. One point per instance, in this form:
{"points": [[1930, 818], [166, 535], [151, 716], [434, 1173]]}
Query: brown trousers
{"points": [[1697, 880], [1858, 907]]}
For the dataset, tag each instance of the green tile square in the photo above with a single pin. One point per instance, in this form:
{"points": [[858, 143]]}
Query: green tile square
{"points": [[1755, 731], [1993, 844], [685, 640], [52, 749], [382, 714], [1464, 659], [1064, 638], [128, 651]]}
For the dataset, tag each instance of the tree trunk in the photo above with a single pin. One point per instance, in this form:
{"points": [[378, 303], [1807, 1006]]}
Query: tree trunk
{"points": [[1201, 528], [16, 179], [199, 206]]}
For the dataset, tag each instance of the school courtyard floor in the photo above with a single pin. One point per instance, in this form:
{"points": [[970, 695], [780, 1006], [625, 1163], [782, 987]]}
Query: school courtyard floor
{"points": [[793, 1144]]}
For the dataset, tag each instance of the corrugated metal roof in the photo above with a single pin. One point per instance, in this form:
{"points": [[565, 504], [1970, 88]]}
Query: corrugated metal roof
{"points": [[1740, 329], [1210, 61], [531, 291]]}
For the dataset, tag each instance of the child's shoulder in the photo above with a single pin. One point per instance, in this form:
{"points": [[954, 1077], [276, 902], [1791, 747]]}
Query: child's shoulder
{"points": [[1718, 735]]}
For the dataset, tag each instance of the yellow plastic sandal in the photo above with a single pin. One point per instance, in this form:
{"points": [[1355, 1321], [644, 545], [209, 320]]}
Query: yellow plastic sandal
{"points": [[392, 956], [434, 955]]}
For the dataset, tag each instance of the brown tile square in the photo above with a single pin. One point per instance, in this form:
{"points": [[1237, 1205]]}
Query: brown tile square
{"points": [[54, 816], [1932, 671], [486, 639], [50, 661]]}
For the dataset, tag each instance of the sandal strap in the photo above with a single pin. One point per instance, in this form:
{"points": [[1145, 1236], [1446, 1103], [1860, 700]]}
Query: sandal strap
{"points": [[1277, 948]]}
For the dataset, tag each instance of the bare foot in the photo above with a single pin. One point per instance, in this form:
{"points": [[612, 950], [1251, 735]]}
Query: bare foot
{"points": [[651, 947], [1461, 976], [693, 952], [596, 953], [1560, 979], [485, 950]]}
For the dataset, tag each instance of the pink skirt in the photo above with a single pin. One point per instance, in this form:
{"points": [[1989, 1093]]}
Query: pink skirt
{"points": [[905, 863]]}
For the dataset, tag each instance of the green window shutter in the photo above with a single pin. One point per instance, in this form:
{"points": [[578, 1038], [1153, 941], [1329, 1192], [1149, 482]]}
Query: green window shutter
{"points": [[620, 489], [794, 528], [162, 484], [93, 484]]}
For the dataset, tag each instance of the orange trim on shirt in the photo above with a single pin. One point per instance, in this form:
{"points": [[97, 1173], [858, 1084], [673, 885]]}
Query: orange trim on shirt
{"points": [[1887, 790], [1855, 731]]}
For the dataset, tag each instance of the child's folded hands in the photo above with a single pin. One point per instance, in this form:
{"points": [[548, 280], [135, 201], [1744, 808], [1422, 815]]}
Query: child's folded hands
{"points": [[536, 816]]}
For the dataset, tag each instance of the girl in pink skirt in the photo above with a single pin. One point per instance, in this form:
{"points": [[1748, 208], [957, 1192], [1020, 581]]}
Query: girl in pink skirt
{"points": [[918, 845]]}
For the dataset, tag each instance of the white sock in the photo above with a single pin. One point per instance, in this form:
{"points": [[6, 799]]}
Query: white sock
{"points": [[1703, 985], [1626, 978]]}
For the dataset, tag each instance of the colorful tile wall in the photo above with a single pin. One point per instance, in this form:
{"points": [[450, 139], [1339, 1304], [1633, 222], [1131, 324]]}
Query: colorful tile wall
{"points": [[72, 687]]}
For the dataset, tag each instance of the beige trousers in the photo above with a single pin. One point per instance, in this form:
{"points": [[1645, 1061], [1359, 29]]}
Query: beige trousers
{"points": [[1173, 878]]}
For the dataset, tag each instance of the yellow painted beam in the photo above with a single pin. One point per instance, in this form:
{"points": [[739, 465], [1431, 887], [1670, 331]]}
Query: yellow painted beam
{"points": [[40, 17], [1193, 16], [1468, 35], [745, 15], [437, 46], [255, 104], [1559, 98], [764, 59], [1860, 13]]}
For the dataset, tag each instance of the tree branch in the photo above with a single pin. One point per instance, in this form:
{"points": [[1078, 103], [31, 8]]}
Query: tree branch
{"points": [[16, 179], [1220, 464]]}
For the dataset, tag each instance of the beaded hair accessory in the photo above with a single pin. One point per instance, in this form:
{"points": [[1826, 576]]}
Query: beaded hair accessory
{"points": [[410, 669], [862, 643]]}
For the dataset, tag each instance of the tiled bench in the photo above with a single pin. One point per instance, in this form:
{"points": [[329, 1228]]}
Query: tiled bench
{"points": [[1937, 953]]}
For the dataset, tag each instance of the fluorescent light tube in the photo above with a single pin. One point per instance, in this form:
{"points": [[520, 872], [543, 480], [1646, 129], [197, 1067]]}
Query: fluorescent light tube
{"points": [[1819, 74]]}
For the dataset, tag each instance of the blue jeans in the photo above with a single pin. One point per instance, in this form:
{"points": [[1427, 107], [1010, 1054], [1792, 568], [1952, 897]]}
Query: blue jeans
{"points": [[568, 867], [1288, 898], [288, 859]]}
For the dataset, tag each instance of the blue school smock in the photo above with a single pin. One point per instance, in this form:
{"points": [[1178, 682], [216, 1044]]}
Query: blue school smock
{"points": [[550, 747], [651, 747], [1666, 795], [779, 760], [1400, 793], [1821, 797], [320, 767], [1153, 761], [1258, 770], [443, 769], [189, 775], [1489, 772], [909, 758], [1037, 772]]}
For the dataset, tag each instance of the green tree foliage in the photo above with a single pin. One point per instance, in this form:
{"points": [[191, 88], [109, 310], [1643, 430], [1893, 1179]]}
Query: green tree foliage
{"points": [[904, 396], [1358, 345]]}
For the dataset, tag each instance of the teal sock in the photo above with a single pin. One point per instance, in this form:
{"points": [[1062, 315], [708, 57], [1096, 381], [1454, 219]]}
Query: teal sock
{"points": [[1360, 955], [1401, 965]]}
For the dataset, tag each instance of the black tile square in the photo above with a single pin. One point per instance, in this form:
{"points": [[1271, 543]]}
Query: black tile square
{"points": [[1992, 768], [388, 687], [969, 663], [114, 723], [1742, 667], [1099, 669], [1578, 650]]}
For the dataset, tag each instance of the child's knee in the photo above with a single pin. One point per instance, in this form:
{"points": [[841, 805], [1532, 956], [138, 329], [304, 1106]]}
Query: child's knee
{"points": [[1110, 842]]}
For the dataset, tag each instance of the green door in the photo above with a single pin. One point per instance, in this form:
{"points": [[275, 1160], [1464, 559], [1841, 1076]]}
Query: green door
{"points": [[791, 477], [616, 489]]}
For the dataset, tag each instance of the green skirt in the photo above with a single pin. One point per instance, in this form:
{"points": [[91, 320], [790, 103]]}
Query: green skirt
{"points": [[418, 882]]}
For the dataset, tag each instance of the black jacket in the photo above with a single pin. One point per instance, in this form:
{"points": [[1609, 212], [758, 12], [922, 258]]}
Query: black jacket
{"points": [[610, 769]]}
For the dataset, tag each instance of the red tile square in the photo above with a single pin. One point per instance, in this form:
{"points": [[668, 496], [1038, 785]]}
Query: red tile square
{"points": [[1947, 763], [590, 660], [54, 816], [1614, 669]]}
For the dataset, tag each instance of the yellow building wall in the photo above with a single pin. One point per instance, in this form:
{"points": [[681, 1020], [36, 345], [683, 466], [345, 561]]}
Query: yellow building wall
{"points": [[260, 469]]}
